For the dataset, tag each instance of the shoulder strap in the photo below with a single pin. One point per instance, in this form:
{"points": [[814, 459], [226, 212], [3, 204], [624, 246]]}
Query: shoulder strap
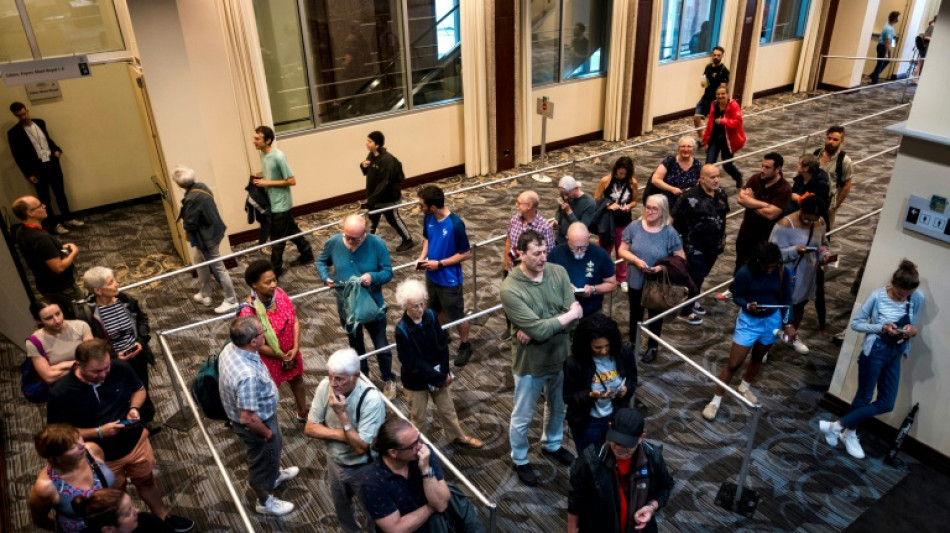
{"points": [[39, 346], [96, 470], [359, 404], [838, 166]]}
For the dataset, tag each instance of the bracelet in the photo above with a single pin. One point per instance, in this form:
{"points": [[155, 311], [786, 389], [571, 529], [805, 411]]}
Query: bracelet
{"points": [[99, 431]]}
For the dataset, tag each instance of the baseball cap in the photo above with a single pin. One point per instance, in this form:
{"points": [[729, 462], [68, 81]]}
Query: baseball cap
{"points": [[568, 183], [626, 428]]}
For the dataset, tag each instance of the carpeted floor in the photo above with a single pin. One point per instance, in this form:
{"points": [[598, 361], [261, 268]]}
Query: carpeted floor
{"points": [[804, 485]]}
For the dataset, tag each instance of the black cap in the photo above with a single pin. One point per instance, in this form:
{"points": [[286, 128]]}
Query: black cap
{"points": [[377, 137], [626, 428]]}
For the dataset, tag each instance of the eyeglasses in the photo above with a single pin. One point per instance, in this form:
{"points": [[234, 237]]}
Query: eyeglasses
{"points": [[578, 249], [359, 238], [651, 208], [411, 446]]}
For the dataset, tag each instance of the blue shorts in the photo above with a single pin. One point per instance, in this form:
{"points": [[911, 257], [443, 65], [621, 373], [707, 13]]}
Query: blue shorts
{"points": [[703, 106], [751, 330]]}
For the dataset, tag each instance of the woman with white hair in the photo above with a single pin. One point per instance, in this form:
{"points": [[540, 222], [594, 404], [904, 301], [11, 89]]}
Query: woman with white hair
{"points": [[205, 229], [423, 350], [644, 243], [677, 173], [117, 318]]}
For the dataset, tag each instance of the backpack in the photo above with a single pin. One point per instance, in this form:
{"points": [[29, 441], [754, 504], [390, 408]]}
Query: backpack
{"points": [[31, 384], [204, 388], [359, 307]]}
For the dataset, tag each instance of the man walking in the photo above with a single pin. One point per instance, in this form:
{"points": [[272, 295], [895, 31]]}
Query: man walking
{"points": [[50, 261], [837, 164], [347, 414], [444, 247], [354, 253], [540, 304], [715, 75], [699, 215], [384, 177], [277, 178], [250, 398], [205, 229], [590, 268], [885, 43], [621, 486], [573, 206], [38, 157]]}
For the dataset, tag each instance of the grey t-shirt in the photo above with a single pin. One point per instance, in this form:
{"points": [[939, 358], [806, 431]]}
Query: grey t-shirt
{"points": [[372, 415], [605, 375], [650, 247], [62, 346]]}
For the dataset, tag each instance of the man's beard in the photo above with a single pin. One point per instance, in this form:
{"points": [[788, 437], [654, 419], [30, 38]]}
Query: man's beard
{"points": [[830, 149]]}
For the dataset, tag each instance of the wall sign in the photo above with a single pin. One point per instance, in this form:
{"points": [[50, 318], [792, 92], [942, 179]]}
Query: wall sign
{"points": [[60, 68], [927, 218], [45, 90]]}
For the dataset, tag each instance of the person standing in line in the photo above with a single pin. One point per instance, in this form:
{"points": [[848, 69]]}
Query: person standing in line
{"points": [[724, 134], [384, 177], [617, 195], [715, 75], [355, 253], [590, 268], [839, 167], [889, 317], [810, 179], [37, 156], [277, 178], [573, 206], [539, 302], [250, 398], [526, 218], [52, 263], [445, 247], [347, 414], [885, 44], [205, 229], [700, 218], [676, 173]]}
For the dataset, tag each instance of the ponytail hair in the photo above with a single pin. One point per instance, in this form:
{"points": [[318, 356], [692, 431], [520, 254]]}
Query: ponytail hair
{"points": [[906, 276]]}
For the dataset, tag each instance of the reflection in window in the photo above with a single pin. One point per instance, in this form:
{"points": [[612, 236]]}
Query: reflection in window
{"points": [[568, 39], [13, 43], [356, 58], [68, 27], [689, 28], [783, 20]]}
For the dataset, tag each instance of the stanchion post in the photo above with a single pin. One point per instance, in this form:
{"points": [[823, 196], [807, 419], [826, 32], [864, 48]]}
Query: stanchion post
{"points": [[475, 275], [491, 519], [735, 497], [636, 341], [183, 419], [744, 470], [906, 83]]}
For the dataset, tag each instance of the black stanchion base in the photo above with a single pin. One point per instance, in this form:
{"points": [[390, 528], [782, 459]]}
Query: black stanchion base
{"points": [[896, 462], [726, 498], [181, 421]]}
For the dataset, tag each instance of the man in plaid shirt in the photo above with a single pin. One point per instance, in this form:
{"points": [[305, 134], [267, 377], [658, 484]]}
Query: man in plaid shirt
{"points": [[250, 397], [526, 218]]}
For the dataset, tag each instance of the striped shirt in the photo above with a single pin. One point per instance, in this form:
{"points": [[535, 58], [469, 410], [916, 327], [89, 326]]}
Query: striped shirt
{"points": [[118, 324], [245, 384]]}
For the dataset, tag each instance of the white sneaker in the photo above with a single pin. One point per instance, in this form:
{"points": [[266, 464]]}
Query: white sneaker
{"points": [[274, 507], [60, 229], [389, 390], [286, 474], [75, 223], [202, 299], [709, 413], [225, 307], [624, 287], [852, 444], [799, 346], [746, 393], [831, 431]]}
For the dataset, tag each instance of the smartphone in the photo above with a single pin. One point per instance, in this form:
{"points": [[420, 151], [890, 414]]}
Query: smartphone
{"points": [[811, 248], [129, 423], [579, 291], [621, 386], [832, 259], [420, 265]]}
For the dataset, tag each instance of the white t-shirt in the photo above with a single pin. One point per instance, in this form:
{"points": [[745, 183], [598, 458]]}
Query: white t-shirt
{"points": [[62, 346]]}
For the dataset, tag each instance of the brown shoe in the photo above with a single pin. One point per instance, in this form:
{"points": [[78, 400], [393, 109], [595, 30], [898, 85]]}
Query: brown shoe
{"points": [[470, 442]]}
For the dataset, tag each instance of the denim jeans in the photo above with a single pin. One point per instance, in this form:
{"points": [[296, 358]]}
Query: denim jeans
{"points": [[881, 65], [217, 270], [721, 147], [377, 333], [698, 265], [880, 368], [593, 432], [527, 390], [344, 485]]}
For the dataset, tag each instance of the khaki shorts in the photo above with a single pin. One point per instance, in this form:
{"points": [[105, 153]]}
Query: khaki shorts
{"points": [[137, 465]]}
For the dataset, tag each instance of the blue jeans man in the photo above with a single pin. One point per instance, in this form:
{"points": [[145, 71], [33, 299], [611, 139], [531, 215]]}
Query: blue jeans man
{"points": [[377, 333], [527, 390]]}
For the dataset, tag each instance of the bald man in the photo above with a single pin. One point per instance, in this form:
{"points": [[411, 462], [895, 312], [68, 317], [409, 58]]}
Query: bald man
{"points": [[356, 253], [590, 268]]}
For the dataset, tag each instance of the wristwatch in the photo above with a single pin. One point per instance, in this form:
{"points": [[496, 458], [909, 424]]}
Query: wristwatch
{"points": [[441, 265], [430, 473], [347, 427]]}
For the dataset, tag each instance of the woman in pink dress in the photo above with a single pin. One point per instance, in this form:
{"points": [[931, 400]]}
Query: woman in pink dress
{"points": [[281, 351]]}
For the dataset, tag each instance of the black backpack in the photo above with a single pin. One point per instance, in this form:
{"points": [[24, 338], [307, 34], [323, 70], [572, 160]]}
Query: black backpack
{"points": [[838, 164], [204, 388]]}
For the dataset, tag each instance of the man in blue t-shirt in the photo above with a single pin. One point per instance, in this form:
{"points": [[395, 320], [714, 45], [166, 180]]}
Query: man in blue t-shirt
{"points": [[590, 268], [444, 247], [884, 44]]}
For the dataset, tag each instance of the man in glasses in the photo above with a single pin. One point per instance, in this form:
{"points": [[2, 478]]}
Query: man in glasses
{"points": [[590, 268], [354, 253]]}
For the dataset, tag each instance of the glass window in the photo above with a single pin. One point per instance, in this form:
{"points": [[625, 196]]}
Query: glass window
{"points": [[783, 20], [568, 39], [689, 28], [278, 28], [67, 27], [435, 51], [13, 43]]}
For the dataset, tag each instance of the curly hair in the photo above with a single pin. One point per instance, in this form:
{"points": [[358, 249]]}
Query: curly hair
{"points": [[591, 328]]}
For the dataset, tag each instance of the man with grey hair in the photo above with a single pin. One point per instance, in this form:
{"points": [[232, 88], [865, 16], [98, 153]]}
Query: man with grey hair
{"points": [[205, 229], [250, 398], [526, 218], [347, 413], [573, 206]]}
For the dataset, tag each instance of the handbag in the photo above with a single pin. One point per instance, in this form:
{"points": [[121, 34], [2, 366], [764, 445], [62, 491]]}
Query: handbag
{"points": [[359, 305], [659, 294], [31, 384]]}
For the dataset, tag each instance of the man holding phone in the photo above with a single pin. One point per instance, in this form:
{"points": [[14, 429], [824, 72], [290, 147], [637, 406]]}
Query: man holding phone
{"points": [[444, 247], [347, 413]]}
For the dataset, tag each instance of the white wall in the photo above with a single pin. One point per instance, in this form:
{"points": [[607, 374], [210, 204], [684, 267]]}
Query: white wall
{"points": [[778, 64], [676, 85], [578, 109], [16, 323], [854, 23]]}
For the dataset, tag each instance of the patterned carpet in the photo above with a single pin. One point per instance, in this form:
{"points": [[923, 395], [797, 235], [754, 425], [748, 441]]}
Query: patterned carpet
{"points": [[804, 485]]}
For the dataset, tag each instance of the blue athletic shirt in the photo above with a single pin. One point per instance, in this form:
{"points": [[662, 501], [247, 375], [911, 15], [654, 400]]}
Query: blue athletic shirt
{"points": [[446, 239]]}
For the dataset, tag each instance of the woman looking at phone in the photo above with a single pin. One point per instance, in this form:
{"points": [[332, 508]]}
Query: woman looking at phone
{"points": [[889, 317]]}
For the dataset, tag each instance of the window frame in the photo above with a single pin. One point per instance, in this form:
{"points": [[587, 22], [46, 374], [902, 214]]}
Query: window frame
{"points": [[119, 9], [682, 13], [559, 77], [803, 12]]}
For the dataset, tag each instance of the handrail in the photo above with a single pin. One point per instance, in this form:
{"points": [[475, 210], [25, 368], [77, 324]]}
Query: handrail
{"points": [[888, 59]]}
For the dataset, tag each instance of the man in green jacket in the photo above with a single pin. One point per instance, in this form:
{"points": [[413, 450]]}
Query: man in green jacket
{"points": [[539, 302]]}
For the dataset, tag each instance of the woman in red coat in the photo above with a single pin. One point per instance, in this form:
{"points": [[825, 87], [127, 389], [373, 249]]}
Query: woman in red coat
{"points": [[724, 134]]}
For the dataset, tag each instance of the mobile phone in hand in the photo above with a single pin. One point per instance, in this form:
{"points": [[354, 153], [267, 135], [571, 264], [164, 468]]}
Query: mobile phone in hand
{"points": [[128, 423], [421, 265]]}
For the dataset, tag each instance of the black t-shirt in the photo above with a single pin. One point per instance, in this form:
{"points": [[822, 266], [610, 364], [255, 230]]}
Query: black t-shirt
{"points": [[719, 131], [701, 220], [73, 402], [755, 228], [716, 76], [38, 246]]}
